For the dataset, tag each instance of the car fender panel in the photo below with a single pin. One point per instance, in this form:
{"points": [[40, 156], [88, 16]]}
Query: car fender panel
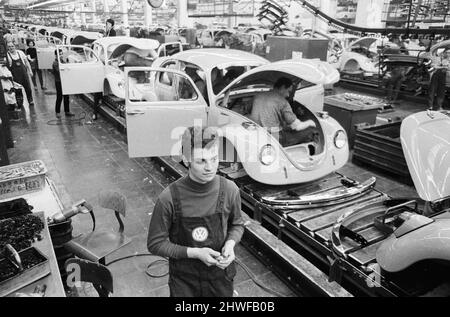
{"points": [[430, 242], [425, 141]]}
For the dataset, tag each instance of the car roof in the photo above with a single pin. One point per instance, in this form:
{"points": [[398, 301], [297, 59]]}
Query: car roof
{"points": [[106, 41], [364, 42], [87, 34], [208, 58], [261, 31], [312, 70], [140, 44], [439, 45]]}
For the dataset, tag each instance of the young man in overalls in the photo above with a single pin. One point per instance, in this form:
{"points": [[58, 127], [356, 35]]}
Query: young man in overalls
{"points": [[197, 222]]}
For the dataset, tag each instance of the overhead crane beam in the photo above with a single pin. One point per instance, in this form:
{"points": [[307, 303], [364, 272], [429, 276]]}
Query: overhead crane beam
{"points": [[364, 30]]}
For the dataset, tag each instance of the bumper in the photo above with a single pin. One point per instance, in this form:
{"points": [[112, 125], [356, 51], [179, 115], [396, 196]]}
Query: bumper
{"points": [[347, 191]]}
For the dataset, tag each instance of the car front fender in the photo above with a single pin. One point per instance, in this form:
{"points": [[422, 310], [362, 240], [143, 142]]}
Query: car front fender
{"points": [[426, 243], [248, 143]]}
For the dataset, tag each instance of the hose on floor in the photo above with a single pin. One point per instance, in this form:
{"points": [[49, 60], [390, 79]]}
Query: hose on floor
{"points": [[80, 120], [151, 264], [164, 260]]}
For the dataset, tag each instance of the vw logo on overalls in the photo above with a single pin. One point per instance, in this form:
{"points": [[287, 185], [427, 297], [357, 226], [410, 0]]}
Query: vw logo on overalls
{"points": [[200, 234]]}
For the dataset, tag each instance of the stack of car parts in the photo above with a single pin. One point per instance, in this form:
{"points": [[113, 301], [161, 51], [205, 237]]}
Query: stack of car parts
{"points": [[379, 146], [275, 14]]}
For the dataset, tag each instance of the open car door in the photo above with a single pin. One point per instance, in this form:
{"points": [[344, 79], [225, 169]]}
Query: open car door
{"points": [[81, 70], [154, 124], [45, 49]]}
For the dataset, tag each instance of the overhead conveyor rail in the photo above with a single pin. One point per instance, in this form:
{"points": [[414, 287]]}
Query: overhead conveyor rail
{"points": [[349, 28]]}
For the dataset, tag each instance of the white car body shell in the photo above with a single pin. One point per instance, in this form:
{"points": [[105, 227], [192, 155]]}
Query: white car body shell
{"points": [[425, 141], [114, 76], [262, 34], [351, 61], [206, 37], [292, 166], [111, 78]]}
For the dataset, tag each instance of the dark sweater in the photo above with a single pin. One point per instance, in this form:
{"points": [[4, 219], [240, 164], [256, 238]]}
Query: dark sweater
{"points": [[56, 73], [111, 33], [32, 52], [197, 200]]}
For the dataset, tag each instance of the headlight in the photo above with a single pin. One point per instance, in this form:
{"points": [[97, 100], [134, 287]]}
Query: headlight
{"points": [[340, 139], [267, 155]]}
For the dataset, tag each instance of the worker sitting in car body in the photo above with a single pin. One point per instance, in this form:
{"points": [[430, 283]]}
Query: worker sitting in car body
{"points": [[272, 110]]}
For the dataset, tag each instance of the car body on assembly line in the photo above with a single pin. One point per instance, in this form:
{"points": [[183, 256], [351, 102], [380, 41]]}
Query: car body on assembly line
{"points": [[359, 58], [164, 109]]}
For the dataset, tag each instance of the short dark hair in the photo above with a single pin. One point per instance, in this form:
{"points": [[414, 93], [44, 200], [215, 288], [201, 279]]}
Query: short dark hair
{"points": [[110, 21], [198, 138], [31, 41], [283, 82]]}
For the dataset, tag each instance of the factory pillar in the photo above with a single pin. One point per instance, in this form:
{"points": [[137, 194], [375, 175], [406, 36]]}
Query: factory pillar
{"points": [[182, 13], [329, 7], [124, 10], [105, 6], [369, 13], [147, 14], [94, 14], [83, 15]]}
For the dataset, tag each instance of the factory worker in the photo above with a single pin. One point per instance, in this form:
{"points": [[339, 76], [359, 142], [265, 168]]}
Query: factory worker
{"points": [[20, 68], [272, 110], [110, 28], [440, 68], [197, 222]]}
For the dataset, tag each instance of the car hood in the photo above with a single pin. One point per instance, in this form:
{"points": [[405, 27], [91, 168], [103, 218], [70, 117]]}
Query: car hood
{"points": [[311, 70], [81, 39], [425, 140], [366, 42], [145, 45], [437, 46]]}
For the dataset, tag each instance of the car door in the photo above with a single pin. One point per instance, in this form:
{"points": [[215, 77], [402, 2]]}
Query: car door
{"points": [[45, 50], [207, 38], [154, 126], [169, 49], [99, 50], [45, 57], [165, 83], [81, 70]]}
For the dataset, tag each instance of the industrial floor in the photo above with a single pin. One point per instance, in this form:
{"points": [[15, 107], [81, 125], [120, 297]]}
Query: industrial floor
{"points": [[83, 160]]}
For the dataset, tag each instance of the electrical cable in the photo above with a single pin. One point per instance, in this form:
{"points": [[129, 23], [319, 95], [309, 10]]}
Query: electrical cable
{"points": [[153, 263], [256, 281], [164, 260], [80, 120]]}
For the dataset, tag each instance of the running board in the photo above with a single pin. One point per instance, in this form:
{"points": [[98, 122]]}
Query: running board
{"points": [[332, 196]]}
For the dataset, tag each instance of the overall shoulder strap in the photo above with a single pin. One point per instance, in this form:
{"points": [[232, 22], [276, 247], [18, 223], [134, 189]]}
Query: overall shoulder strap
{"points": [[10, 59], [175, 199], [221, 197], [21, 55]]}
